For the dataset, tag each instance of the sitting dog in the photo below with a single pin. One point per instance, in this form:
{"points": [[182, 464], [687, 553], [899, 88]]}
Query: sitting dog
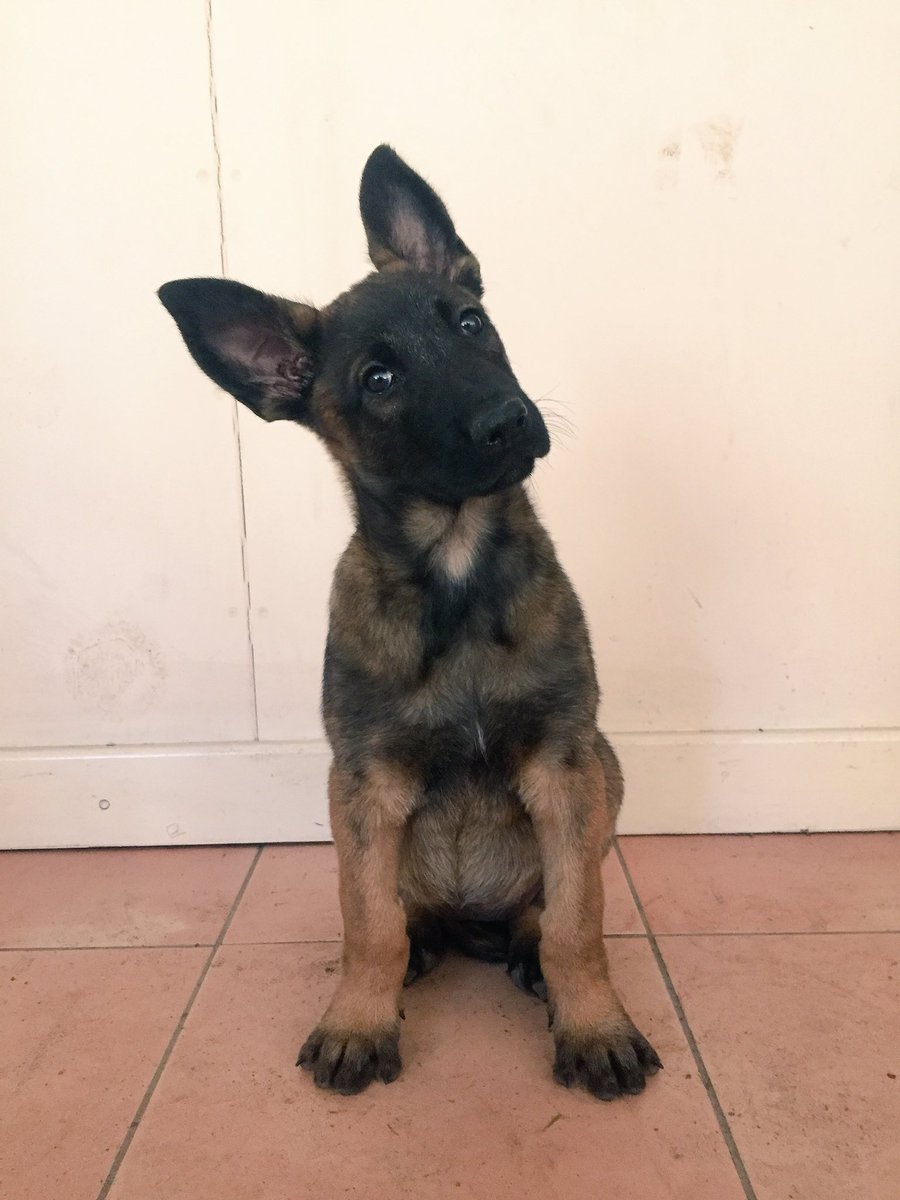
{"points": [[472, 798]]}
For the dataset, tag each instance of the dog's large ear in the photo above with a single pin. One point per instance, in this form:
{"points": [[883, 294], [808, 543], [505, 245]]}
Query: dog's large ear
{"points": [[407, 224], [259, 348]]}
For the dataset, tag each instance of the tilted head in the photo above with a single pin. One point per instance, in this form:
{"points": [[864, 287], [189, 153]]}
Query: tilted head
{"points": [[403, 376]]}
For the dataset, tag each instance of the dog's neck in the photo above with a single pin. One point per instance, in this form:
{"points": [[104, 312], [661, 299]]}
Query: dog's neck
{"points": [[451, 540], [437, 544]]}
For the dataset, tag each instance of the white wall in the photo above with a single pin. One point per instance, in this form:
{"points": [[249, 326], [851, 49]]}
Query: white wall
{"points": [[688, 218]]}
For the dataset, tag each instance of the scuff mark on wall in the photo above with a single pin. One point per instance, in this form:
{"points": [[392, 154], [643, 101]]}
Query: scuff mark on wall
{"points": [[668, 165], [117, 671]]}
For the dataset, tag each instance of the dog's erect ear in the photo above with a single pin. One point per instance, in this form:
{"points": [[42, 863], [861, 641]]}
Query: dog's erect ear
{"points": [[259, 348], [407, 224]]}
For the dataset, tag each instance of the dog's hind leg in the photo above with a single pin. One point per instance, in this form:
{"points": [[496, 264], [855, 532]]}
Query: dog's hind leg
{"points": [[427, 945], [524, 961], [485, 940]]}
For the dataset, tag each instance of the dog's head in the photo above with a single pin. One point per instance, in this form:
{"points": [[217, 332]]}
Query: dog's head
{"points": [[403, 376]]}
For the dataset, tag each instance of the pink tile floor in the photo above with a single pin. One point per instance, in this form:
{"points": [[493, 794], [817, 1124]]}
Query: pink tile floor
{"points": [[152, 1003]]}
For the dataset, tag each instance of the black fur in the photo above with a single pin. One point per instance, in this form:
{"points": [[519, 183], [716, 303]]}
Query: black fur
{"points": [[248, 342], [432, 243]]}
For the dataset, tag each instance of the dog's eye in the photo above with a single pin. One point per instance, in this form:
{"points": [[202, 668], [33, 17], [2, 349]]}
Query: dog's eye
{"points": [[470, 321], [378, 380]]}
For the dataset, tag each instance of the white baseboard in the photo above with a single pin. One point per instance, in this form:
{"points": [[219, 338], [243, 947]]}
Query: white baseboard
{"points": [[782, 782], [164, 795], [275, 791]]}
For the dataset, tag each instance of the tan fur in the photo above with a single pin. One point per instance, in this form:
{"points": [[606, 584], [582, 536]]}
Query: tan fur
{"points": [[367, 818], [467, 265], [527, 924], [475, 855], [574, 825], [332, 427]]}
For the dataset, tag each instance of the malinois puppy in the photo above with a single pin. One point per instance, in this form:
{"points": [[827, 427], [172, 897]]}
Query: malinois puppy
{"points": [[472, 799]]}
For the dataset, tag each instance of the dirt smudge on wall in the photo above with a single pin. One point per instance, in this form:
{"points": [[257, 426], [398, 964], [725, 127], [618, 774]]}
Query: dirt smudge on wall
{"points": [[718, 140], [116, 670]]}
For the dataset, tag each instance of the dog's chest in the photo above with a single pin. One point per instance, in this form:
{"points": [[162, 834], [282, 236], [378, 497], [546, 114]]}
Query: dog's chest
{"points": [[461, 730]]}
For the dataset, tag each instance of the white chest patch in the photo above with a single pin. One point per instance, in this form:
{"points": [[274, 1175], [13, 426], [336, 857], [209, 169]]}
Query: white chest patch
{"points": [[452, 538], [455, 553]]}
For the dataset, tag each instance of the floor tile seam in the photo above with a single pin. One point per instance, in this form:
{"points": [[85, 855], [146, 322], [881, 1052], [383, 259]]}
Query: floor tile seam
{"points": [[338, 941], [108, 946], [312, 941], [772, 933], [705, 1078], [127, 1140]]}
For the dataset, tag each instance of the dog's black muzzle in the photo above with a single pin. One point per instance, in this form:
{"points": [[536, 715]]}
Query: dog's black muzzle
{"points": [[507, 433]]}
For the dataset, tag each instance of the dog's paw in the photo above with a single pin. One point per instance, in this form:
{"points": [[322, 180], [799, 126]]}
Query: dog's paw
{"points": [[524, 967], [608, 1063], [349, 1062]]}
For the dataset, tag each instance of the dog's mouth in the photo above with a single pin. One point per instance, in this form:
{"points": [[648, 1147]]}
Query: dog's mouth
{"points": [[513, 474]]}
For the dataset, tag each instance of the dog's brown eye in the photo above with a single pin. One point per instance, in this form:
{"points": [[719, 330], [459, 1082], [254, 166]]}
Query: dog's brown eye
{"points": [[378, 380], [470, 321]]}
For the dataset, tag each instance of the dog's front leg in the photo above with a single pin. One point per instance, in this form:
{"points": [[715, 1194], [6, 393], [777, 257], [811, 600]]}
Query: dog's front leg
{"points": [[357, 1039], [597, 1044]]}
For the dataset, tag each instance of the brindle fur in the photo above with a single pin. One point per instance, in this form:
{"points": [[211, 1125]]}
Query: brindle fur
{"points": [[472, 797]]}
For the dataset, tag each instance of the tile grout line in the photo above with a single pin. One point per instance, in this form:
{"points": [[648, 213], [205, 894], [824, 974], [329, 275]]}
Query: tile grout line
{"points": [[339, 940], [336, 941], [111, 946], [675, 999], [180, 1024], [784, 933], [750, 933]]}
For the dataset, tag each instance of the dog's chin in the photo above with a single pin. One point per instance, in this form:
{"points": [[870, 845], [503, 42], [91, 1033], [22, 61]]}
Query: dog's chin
{"points": [[507, 478], [517, 473], [454, 495]]}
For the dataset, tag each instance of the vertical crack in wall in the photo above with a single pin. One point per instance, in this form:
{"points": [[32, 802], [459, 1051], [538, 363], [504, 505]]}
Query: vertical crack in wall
{"points": [[214, 124], [235, 421]]}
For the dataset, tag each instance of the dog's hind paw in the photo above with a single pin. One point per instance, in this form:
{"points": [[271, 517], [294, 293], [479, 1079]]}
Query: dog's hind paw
{"points": [[524, 967], [427, 944]]}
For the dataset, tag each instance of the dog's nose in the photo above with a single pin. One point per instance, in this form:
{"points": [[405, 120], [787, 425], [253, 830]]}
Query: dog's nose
{"points": [[499, 423]]}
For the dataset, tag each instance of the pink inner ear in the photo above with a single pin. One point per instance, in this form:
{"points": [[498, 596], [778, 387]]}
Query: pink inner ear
{"points": [[410, 240], [259, 351], [267, 357]]}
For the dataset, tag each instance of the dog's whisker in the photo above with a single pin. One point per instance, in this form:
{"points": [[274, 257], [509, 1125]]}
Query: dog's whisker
{"points": [[553, 401], [560, 420], [550, 411], [560, 427]]}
